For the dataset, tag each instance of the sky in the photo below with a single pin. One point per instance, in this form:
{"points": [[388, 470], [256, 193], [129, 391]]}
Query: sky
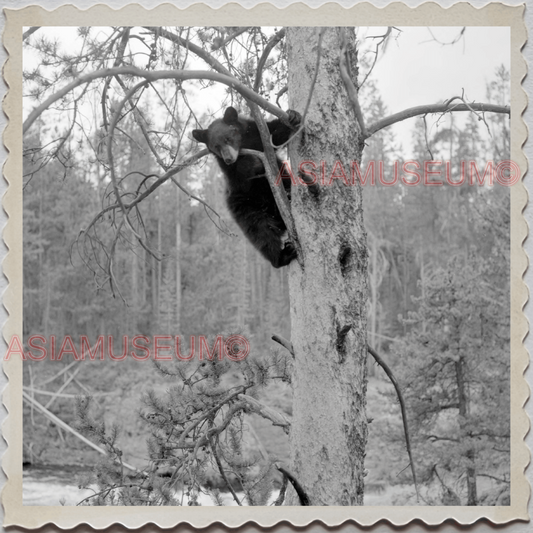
{"points": [[416, 67]]}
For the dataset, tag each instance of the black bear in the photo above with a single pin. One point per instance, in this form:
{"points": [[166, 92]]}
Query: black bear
{"points": [[249, 197]]}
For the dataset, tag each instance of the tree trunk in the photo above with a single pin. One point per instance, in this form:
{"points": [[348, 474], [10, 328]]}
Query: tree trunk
{"points": [[329, 295], [179, 252], [469, 454], [159, 264]]}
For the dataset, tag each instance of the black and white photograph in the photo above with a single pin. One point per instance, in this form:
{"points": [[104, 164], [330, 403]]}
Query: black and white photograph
{"points": [[270, 266]]}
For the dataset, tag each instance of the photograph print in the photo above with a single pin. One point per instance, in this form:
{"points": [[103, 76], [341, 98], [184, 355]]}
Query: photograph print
{"points": [[267, 266]]}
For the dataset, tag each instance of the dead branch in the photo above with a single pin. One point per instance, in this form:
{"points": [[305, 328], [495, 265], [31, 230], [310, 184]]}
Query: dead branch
{"points": [[434, 108], [383, 38], [63, 387], [280, 94], [311, 91], [65, 426], [350, 86], [118, 196], [304, 499], [315, 75], [29, 32], [284, 342], [393, 380], [195, 49], [154, 75], [266, 412], [168, 175], [66, 394], [125, 210], [207, 207], [273, 41], [204, 439]]}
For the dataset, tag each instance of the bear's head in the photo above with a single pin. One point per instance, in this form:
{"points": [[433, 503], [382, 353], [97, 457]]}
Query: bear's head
{"points": [[223, 137]]}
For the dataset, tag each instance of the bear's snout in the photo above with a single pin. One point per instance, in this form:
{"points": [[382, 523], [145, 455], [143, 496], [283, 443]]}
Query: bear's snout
{"points": [[229, 154]]}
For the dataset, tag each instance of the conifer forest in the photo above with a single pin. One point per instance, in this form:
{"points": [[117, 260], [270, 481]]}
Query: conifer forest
{"points": [[127, 238]]}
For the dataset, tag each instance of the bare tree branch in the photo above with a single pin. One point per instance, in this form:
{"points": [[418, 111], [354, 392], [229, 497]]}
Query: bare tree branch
{"points": [[29, 32], [315, 75], [197, 50], [273, 41], [433, 108], [350, 87], [155, 75], [391, 376], [118, 196], [284, 342]]}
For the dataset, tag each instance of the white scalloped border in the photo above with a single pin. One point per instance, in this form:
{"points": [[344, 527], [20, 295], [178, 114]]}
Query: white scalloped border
{"points": [[298, 14]]}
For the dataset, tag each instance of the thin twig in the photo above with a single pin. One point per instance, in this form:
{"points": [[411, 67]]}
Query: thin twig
{"points": [[280, 94], [118, 196], [207, 207], [315, 75], [376, 53], [426, 137], [350, 87], [168, 175]]}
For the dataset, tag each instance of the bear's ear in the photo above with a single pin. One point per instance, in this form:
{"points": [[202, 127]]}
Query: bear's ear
{"points": [[231, 116], [200, 135]]}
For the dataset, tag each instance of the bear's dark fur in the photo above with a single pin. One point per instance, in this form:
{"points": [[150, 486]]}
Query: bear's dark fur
{"points": [[249, 197]]}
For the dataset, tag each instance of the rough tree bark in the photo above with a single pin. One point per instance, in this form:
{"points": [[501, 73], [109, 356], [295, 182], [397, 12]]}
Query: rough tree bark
{"points": [[329, 295]]}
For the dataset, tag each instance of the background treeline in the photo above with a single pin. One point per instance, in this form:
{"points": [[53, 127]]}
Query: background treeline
{"points": [[438, 313]]}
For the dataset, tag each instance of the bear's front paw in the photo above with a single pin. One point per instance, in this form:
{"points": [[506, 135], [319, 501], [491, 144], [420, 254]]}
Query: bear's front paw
{"points": [[294, 118], [289, 250]]}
